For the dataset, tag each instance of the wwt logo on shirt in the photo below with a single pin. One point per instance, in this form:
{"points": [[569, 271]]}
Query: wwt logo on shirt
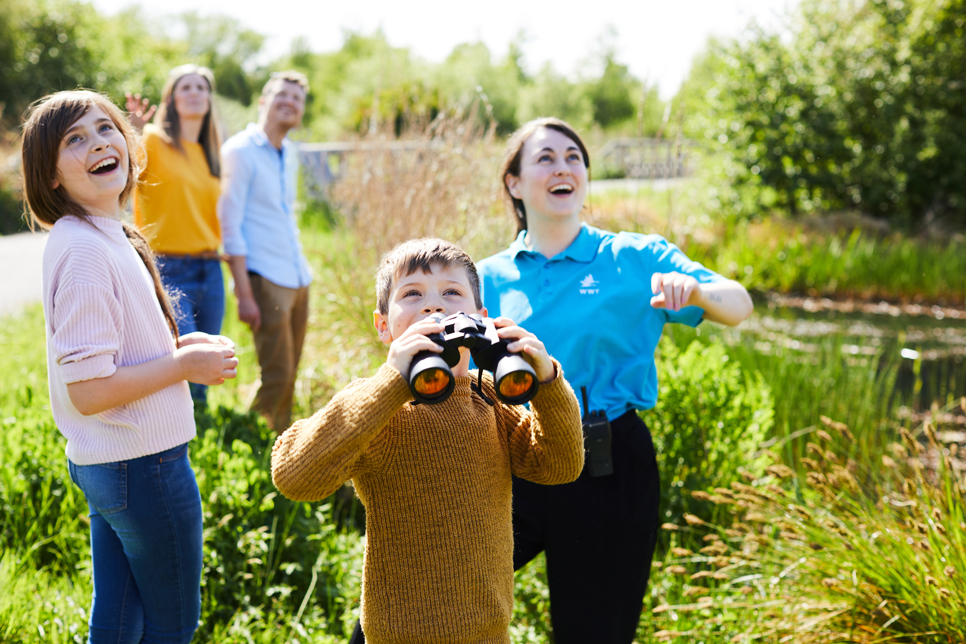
{"points": [[588, 285]]}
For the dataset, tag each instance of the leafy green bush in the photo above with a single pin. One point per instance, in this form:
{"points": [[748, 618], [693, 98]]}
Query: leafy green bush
{"points": [[11, 209], [266, 555], [710, 421], [855, 106]]}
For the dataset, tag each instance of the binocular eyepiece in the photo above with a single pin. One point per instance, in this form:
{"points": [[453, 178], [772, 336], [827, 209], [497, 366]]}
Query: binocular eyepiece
{"points": [[431, 379]]}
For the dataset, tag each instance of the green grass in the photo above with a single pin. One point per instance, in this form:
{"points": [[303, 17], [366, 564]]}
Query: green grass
{"points": [[280, 571]]}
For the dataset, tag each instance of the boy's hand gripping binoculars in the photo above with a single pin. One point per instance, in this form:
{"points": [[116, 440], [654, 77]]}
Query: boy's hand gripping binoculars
{"points": [[431, 380]]}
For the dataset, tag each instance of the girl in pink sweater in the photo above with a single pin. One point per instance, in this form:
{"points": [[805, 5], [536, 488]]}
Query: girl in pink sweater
{"points": [[118, 372]]}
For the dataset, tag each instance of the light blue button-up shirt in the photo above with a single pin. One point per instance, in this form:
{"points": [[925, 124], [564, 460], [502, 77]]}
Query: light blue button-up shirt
{"points": [[256, 207], [591, 307]]}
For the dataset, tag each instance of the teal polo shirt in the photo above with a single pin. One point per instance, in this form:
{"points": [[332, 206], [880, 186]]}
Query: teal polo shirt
{"points": [[590, 305]]}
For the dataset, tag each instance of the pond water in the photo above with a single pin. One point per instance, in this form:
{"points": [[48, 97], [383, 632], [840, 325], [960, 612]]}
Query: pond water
{"points": [[927, 350]]}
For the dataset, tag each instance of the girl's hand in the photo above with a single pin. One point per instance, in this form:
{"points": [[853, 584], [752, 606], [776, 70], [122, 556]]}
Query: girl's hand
{"points": [[197, 337], [139, 110], [413, 340], [207, 363], [527, 344], [674, 291]]}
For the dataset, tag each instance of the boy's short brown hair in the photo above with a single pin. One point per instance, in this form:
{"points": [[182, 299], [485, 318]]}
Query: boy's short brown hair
{"points": [[422, 254]]}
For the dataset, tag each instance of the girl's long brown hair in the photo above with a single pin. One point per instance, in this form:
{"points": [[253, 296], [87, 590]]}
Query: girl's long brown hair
{"points": [[47, 121], [169, 121], [514, 151]]}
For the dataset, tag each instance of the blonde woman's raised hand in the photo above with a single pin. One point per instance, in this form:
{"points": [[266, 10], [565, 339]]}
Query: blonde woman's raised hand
{"points": [[139, 110]]}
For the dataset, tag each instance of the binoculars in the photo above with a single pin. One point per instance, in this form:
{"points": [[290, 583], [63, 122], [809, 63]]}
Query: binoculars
{"points": [[431, 380]]}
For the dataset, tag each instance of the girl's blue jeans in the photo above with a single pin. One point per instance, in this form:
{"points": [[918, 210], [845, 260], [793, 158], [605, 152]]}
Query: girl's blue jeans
{"points": [[146, 545], [199, 298]]}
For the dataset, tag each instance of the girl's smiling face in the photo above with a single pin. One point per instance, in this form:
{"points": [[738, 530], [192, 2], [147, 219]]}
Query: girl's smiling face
{"points": [[553, 177], [92, 165]]}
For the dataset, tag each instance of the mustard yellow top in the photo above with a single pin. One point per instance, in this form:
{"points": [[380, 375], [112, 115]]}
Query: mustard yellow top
{"points": [[175, 204], [435, 481]]}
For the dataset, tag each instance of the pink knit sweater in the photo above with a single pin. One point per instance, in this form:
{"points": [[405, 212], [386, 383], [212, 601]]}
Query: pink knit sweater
{"points": [[102, 313]]}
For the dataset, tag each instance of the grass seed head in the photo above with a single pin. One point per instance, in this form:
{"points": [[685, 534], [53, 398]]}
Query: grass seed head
{"points": [[681, 552], [949, 571], [824, 435], [701, 574], [701, 496], [898, 451], [888, 462], [811, 464], [693, 520], [677, 570], [715, 549], [780, 471]]}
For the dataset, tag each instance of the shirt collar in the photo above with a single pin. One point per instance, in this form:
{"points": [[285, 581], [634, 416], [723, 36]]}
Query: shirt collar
{"points": [[258, 135], [582, 249]]}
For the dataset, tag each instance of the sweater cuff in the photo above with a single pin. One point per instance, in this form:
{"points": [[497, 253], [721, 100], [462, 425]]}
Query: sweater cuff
{"points": [[101, 366], [553, 390]]}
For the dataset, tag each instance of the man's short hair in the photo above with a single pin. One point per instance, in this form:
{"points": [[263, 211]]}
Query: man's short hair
{"points": [[422, 254], [290, 76]]}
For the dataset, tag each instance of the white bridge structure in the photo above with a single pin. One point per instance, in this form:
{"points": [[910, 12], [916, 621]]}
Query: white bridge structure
{"points": [[630, 158]]}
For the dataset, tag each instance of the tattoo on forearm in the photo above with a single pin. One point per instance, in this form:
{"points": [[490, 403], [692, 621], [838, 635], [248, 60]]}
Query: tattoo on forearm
{"points": [[714, 297]]}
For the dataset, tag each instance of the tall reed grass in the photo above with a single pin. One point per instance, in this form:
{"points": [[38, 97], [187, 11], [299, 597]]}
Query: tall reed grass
{"points": [[862, 550]]}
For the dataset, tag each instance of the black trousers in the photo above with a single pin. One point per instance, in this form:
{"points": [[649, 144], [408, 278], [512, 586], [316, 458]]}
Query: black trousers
{"points": [[599, 536]]}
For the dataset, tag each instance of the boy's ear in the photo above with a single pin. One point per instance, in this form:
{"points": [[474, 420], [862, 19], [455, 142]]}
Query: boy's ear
{"points": [[482, 312], [381, 322], [513, 185]]}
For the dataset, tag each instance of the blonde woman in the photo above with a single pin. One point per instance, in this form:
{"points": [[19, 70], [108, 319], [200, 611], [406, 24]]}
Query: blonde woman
{"points": [[176, 201]]}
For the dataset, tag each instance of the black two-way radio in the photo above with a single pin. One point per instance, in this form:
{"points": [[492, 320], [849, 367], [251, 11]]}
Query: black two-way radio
{"points": [[597, 440]]}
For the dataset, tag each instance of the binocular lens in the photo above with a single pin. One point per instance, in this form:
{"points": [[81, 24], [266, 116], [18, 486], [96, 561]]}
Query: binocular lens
{"points": [[431, 382], [516, 384]]}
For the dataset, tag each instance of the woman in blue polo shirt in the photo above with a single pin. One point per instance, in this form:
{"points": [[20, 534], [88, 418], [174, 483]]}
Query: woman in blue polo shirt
{"points": [[599, 301]]}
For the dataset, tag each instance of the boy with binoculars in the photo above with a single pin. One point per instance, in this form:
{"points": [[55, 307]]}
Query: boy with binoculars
{"points": [[435, 476]]}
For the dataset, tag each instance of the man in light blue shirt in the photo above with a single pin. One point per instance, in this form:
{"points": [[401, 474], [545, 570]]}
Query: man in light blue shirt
{"points": [[261, 238]]}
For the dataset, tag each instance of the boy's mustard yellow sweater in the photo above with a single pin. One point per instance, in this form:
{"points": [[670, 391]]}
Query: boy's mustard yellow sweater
{"points": [[435, 481]]}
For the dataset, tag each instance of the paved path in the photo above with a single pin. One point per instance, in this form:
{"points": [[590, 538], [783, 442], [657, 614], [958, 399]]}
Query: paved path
{"points": [[21, 269]]}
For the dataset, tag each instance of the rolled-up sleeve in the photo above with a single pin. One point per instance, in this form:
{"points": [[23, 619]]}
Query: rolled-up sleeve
{"points": [[86, 332], [236, 178]]}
